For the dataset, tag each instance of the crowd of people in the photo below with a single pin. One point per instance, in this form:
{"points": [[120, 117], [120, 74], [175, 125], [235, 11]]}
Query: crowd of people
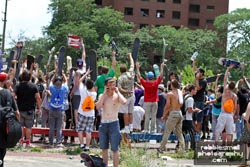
{"points": [[125, 103]]}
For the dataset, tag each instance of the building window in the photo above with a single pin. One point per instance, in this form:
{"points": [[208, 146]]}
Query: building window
{"points": [[143, 25], [176, 15], [160, 13], [176, 1], [128, 11], [210, 7], [194, 8], [145, 12], [193, 22], [98, 2], [210, 22], [160, 0]]}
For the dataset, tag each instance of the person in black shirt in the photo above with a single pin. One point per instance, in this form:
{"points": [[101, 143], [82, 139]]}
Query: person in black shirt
{"points": [[28, 97], [199, 98]]}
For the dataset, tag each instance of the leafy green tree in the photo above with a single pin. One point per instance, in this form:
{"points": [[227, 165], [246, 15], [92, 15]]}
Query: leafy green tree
{"points": [[235, 27]]}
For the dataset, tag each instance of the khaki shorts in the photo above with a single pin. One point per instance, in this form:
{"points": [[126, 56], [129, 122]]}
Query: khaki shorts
{"points": [[129, 106]]}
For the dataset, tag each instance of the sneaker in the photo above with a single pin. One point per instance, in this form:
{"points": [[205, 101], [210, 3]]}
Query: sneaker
{"points": [[60, 145], [41, 139], [125, 130], [29, 146], [83, 147], [86, 149]]}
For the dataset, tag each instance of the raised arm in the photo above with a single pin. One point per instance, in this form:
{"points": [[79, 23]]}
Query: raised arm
{"points": [[138, 74], [83, 56], [84, 76], [162, 69], [194, 65], [226, 75], [113, 60]]}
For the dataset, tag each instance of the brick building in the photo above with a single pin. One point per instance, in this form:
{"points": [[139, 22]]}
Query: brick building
{"points": [[194, 14]]}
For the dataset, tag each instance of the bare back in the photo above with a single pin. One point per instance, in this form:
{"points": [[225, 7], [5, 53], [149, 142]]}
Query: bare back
{"points": [[173, 101]]}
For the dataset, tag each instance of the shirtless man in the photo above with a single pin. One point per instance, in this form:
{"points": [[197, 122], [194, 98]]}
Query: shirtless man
{"points": [[173, 116], [109, 130], [228, 110]]}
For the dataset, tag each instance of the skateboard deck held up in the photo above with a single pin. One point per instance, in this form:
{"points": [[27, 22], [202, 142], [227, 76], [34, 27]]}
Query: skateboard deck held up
{"points": [[227, 62]]}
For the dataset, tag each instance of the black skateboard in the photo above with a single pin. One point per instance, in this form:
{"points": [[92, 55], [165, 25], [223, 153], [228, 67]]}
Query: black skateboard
{"points": [[61, 60], [213, 78], [135, 50], [18, 58], [30, 61], [91, 61], [9, 59], [227, 62], [39, 60]]}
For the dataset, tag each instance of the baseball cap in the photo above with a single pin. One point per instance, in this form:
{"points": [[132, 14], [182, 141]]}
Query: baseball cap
{"points": [[79, 62], [109, 79], [150, 75], [161, 87], [3, 76]]}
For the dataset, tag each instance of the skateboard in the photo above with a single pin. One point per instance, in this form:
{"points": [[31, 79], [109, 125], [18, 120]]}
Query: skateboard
{"points": [[92, 64], [213, 78], [61, 60], [227, 62], [18, 58], [30, 61], [39, 60], [165, 70], [112, 43], [135, 50], [91, 160]]}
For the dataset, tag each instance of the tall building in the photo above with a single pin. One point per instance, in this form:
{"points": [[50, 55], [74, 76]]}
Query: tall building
{"points": [[194, 14]]}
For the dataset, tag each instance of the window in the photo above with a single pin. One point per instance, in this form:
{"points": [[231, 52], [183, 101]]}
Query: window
{"points": [[160, 13], [176, 1], [210, 22], [176, 15], [143, 25], [98, 2], [128, 11], [194, 8], [193, 22], [210, 7], [160, 0], [145, 12]]}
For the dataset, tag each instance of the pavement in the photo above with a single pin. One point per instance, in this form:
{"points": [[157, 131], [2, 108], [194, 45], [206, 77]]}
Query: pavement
{"points": [[51, 157]]}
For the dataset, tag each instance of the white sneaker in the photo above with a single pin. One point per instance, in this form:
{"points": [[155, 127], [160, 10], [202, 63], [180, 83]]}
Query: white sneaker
{"points": [[125, 130]]}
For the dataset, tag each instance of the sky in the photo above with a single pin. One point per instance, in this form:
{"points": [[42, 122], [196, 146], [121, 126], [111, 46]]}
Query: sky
{"points": [[31, 15]]}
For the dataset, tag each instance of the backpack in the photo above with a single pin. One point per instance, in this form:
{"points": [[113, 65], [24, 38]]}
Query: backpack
{"points": [[10, 128], [57, 99], [183, 107], [88, 104], [228, 106]]}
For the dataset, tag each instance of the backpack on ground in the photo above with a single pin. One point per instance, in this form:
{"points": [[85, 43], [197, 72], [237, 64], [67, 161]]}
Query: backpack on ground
{"points": [[183, 107], [10, 128]]}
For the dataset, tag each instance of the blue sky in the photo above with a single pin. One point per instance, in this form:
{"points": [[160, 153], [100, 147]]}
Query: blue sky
{"points": [[30, 15]]}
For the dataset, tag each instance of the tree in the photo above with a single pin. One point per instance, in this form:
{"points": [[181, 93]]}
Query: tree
{"points": [[235, 26]]}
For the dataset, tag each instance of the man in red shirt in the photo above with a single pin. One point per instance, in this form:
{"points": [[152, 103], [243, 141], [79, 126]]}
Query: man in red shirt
{"points": [[150, 96]]}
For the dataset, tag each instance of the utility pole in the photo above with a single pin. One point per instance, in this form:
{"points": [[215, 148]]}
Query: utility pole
{"points": [[4, 25]]}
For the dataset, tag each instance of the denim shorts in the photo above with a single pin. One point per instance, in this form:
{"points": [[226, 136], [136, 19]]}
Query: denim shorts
{"points": [[109, 132]]}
